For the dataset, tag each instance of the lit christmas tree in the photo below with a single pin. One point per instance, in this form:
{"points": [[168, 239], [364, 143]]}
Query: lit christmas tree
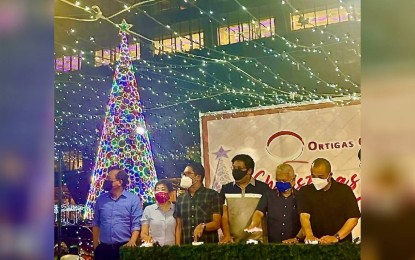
{"points": [[124, 140], [222, 175]]}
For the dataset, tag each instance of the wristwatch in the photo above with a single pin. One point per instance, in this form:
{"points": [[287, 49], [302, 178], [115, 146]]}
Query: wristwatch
{"points": [[337, 236]]}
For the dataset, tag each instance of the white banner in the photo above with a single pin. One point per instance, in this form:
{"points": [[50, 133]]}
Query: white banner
{"points": [[296, 134]]}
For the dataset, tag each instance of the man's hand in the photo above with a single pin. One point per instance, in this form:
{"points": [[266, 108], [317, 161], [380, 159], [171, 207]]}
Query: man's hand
{"points": [[198, 232], [309, 239], [148, 239], [291, 241], [226, 240], [328, 240], [130, 244], [96, 243]]}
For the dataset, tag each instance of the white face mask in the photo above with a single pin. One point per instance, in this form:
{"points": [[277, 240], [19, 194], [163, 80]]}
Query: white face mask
{"points": [[186, 182], [320, 183]]}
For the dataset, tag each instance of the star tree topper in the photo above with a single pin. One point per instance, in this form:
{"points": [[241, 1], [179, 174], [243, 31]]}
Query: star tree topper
{"points": [[124, 26]]}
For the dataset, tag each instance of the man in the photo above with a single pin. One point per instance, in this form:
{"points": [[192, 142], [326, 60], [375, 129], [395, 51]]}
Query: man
{"points": [[73, 254], [116, 217], [198, 211], [328, 209], [280, 205], [242, 169]]}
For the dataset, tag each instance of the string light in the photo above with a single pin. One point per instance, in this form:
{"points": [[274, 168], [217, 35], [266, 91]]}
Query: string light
{"points": [[174, 92]]}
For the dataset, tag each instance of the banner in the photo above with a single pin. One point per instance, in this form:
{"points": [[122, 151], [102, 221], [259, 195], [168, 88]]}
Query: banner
{"points": [[273, 135]]}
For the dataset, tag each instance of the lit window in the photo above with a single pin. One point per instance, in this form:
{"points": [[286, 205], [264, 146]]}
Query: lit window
{"points": [[106, 57], [98, 58], [59, 64], [246, 31], [319, 18], [182, 43], [66, 63], [75, 63]]}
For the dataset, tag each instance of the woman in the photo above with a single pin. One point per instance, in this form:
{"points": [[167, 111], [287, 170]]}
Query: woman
{"points": [[157, 222]]}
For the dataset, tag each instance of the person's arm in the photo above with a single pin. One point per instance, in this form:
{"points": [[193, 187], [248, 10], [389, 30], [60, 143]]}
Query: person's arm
{"points": [[306, 227], [95, 225], [256, 219], [95, 236], [178, 230], [136, 213], [225, 227], [210, 226], [299, 237], [342, 233], [145, 234]]}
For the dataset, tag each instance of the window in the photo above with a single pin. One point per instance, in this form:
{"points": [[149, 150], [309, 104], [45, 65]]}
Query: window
{"points": [[110, 56], [181, 43], [59, 64], [319, 18], [73, 160], [246, 31]]}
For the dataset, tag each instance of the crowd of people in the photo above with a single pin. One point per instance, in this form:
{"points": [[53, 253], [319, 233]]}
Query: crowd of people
{"points": [[323, 212]]}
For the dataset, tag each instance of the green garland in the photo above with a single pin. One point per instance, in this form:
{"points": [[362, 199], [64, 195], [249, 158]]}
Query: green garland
{"points": [[243, 251]]}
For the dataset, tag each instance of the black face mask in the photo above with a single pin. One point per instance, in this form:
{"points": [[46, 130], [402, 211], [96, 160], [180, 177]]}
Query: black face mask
{"points": [[238, 174], [107, 185]]}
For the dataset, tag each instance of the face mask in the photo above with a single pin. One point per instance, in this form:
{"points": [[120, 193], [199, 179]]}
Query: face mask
{"points": [[162, 197], [319, 183], [238, 174], [186, 182], [283, 186], [107, 185]]}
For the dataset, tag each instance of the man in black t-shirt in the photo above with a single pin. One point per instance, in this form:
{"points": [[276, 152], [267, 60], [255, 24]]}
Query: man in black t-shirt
{"points": [[328, 209], [242, 170]]}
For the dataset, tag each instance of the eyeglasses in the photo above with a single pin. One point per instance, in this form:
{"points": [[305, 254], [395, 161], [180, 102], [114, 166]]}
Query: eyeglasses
{"points": [[187, 173]]}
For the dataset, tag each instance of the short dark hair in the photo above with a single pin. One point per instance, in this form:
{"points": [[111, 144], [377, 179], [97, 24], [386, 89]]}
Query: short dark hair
{"points": [[74, 250], [197, 168], [123, 176], [249, 162], [321, 161], [166, 183]]}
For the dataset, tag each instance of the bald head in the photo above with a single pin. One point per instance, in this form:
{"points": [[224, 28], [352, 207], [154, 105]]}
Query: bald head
{"points": [[284, 172]]}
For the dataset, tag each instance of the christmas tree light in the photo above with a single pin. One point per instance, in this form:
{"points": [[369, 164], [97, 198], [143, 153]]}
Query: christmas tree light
{"points": [[124, 140]]}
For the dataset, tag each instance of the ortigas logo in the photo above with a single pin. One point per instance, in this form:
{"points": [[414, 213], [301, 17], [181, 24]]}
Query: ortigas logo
{"points": [[288, 146]]}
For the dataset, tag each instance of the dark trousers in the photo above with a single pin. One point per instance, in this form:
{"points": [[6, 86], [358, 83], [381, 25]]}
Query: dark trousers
{"points": [[108, 252]]}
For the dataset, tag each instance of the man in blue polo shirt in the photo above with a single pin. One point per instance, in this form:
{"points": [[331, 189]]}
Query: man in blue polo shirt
{"points": [[116, 217]]}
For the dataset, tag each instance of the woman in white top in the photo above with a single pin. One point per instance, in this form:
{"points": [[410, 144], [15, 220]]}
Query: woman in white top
{"points": [[157, 222]]}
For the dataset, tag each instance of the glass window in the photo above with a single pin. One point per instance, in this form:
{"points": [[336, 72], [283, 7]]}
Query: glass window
{"points": [[133, 51], [344, 16], [321, 18], [223, 33], [185, 43], [75, 63], [234, 33], [333, 15], [66, 63], [167, 45], [266, 28], [157, 47], [59, 64], [98, 58], [106, 57]]}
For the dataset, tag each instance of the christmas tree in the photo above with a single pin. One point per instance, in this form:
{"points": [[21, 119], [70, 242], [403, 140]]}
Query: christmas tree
{"points": [[124, 139], [221, 174]]}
